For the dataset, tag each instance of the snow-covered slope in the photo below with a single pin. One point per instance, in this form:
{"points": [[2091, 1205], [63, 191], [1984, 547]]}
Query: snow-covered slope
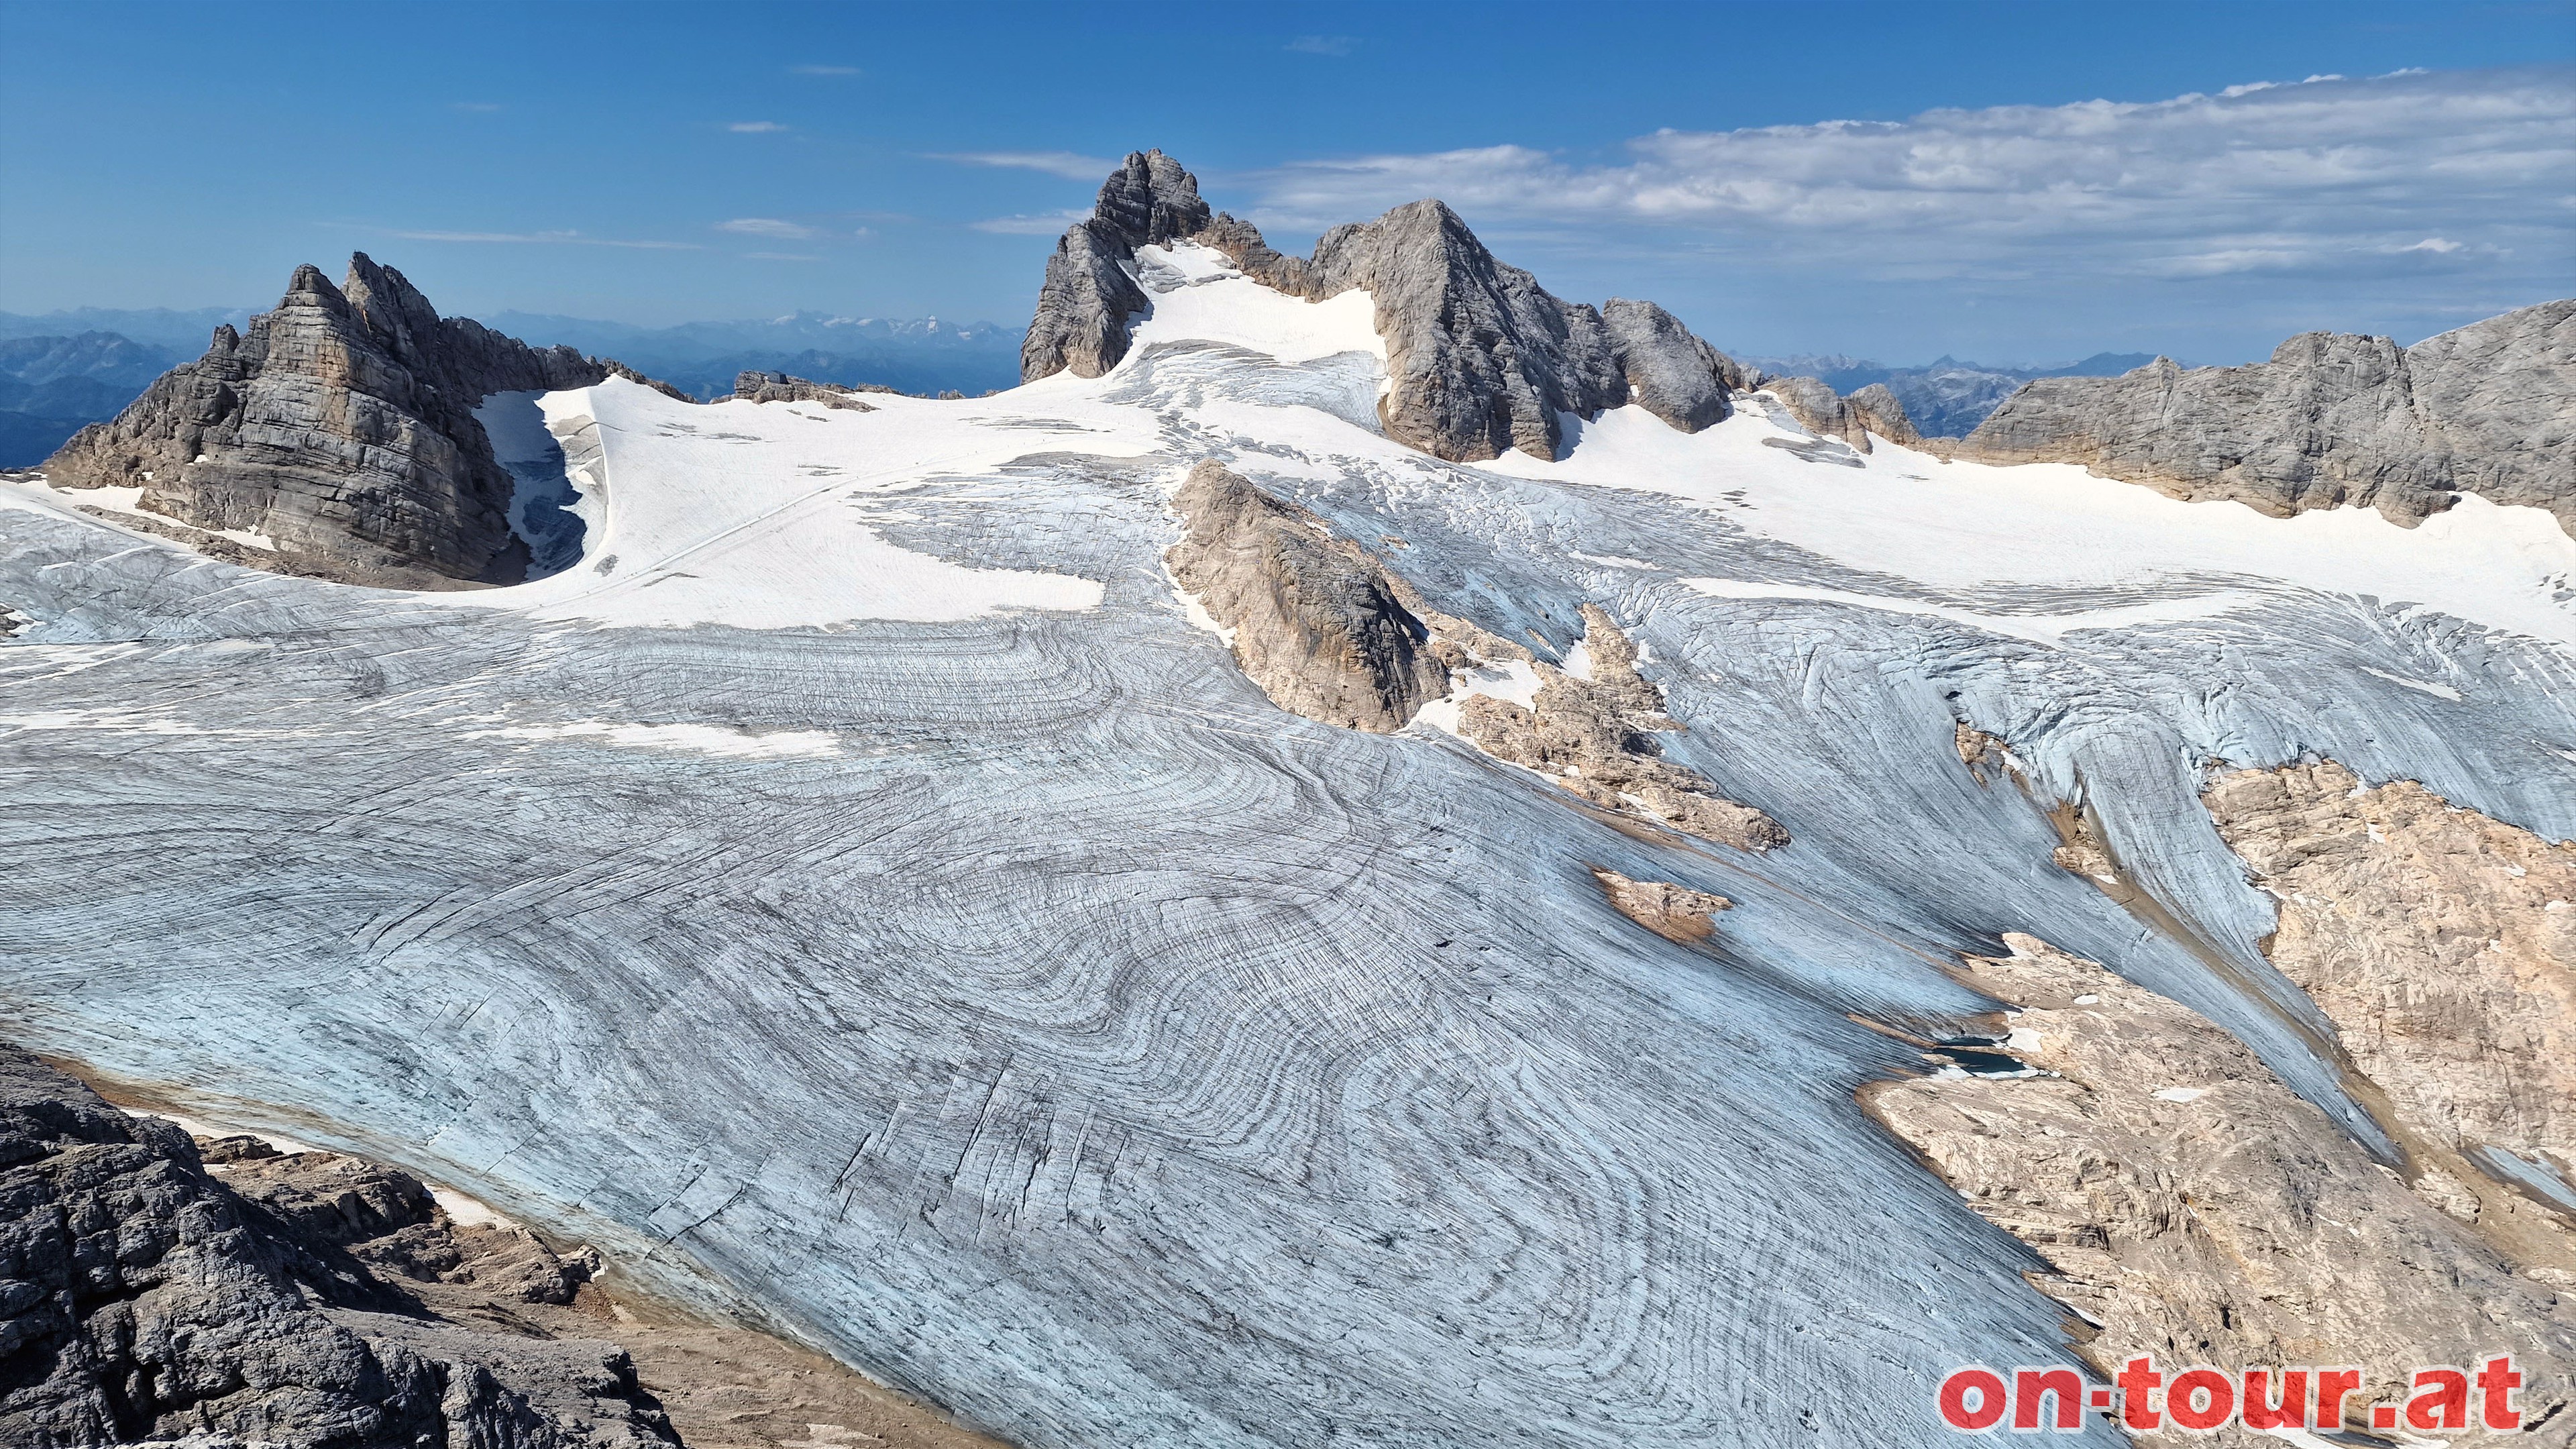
{"points": [[857, 892]]}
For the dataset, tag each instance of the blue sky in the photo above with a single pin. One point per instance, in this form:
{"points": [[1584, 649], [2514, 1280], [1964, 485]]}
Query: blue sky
{"points": [[659, 163]]}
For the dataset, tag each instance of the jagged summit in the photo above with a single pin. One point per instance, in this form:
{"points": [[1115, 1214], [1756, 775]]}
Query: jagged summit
{"points": [[1480, 358], [340, 426]]}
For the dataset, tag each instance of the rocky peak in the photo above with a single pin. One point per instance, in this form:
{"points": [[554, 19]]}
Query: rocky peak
{"points": [[1480, 357], [340, 428]]}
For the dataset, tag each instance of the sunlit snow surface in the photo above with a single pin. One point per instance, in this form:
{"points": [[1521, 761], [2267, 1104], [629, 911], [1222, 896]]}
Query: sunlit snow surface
{"points": [[871, 897]]}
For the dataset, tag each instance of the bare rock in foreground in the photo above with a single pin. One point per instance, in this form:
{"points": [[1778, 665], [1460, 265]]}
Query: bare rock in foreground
{"points": [[2440, 943], [2332, 419], [1314, 620], [2192, 1207]]}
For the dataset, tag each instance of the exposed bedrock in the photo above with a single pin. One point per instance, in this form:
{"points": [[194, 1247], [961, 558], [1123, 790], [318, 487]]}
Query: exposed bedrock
{"points": [[2332, 419], [146, 1298], [341, 428], [1852, 419], [1676, 913], [1313, 620], [1480, 358], [1592, 734], [766, 387], [2191, 1207], [2442, 945]]}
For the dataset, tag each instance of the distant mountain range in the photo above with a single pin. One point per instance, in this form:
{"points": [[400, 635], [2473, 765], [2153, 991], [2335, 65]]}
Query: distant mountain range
{"points": [[921, 354], [1946, 398], [50, 387]]}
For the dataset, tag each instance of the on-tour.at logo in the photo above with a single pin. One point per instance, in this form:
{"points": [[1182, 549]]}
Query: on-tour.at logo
{"points": [[1976, 1399]]}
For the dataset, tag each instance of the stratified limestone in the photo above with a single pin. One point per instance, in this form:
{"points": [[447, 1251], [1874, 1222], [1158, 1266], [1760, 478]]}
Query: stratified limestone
{"points": [[147, 1300], [766, 387], [1089, 293], [342, 427], [1875, 409], [2192, 1207], [1480, 358], [1593, 736], [2440, 943], [2332, 419], [1314, 620], [1677, 913], [1852, 419]]}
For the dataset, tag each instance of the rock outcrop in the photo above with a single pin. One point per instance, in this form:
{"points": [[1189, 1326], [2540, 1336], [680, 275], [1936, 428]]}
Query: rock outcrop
{"points": [[341, 428], [146, 1298], [766, 387], [2442, 945], [2332, 419], [1592, 734], [1677, 913], [1820, 410], [1312, 618], [2192, 1207], [1480, 358]]}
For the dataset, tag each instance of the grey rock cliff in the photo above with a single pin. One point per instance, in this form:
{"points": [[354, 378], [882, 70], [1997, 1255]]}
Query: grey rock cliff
{"points": [[2332, 419], [1873, 409], [142, 1297], [1088, 294], [762, 387], [1316, 622], [1480, 358], [340, 426]]}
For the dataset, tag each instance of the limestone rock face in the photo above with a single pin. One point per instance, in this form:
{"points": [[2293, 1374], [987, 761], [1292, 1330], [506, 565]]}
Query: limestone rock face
{"points": [[763, 387], [341, 427], [1089, 293], [1818, 409], [2440, 945], [2332, 419], [1480, 358], [1876, 409], [1314, 620], [147, 1299], [2194, 1208]]}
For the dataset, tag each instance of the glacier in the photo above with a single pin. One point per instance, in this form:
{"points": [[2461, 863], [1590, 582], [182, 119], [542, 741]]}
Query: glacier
{"points": [[854, 893]]}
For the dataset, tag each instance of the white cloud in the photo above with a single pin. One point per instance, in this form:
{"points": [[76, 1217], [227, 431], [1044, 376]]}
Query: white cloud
{"points": [[824, 70], [545, 238], [754, 128], [1322, 45], [782, 257], [2433, 244], [2315, 174], [1068, 164], [766, 226], [1043, 224]]}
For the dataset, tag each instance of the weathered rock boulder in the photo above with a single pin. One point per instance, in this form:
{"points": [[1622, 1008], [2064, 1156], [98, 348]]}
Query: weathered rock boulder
{"points": [[341, 428], [143, 1298], [1480, 358], [1818, 409], [1313, 620], [2332, 419]]}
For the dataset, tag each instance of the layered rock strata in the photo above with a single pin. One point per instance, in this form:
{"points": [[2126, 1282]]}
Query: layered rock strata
{"points": [[1480, 358], [1592, 734], [2191, 1207], [148, 1299], [2332, 419], [2442, 945], [1820, 410], [1311, 617], [766, 387], [341, 427]]}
